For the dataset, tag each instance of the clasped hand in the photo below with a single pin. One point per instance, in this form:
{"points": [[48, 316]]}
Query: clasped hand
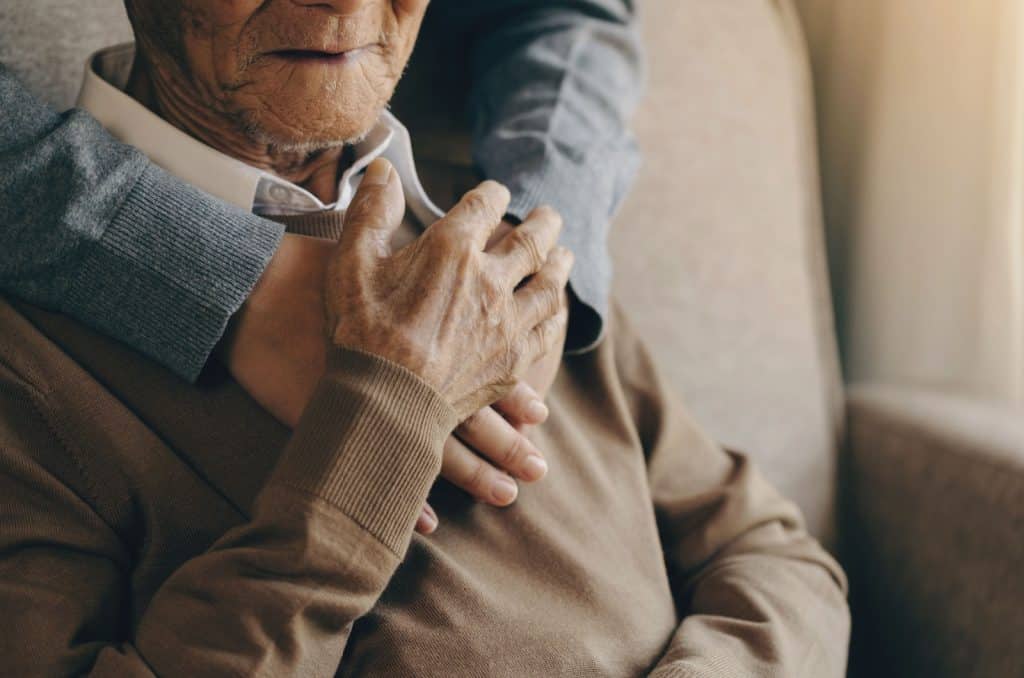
{"points": [[275, 346]]}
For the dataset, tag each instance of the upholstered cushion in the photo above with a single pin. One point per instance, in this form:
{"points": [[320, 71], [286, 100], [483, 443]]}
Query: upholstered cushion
{"points": [[719, 250], [933, 533], [46, 41]]}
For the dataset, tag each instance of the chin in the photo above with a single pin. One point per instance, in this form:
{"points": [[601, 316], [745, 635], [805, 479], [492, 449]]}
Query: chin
{"points": [[298, 130], [321, 118]]}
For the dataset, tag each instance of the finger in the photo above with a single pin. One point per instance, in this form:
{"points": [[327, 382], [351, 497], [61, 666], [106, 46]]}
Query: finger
{"points": [[476, 216], [426, 523], [492, 436], [466, 470], [523, 406], [523, 251], [545, 337], [544, 294], [377, 209]]}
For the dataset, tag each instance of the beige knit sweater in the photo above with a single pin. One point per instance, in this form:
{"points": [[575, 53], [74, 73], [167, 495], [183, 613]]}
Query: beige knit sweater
{"points": [[149, 526]]}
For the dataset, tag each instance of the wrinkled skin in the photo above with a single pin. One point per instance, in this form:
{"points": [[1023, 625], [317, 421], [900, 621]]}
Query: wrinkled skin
{"points": [[451, 312], [222, 71], [284, 85]]}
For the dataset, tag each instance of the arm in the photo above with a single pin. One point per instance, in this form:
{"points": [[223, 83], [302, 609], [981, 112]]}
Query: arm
{"points": [[757, 595], [81, 213], [553, 86], [193, 262], [277, 595], [195, 259], [274, 596]]}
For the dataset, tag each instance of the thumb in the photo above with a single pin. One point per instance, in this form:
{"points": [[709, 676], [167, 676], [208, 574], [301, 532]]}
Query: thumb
{"points": [[376, 211]]}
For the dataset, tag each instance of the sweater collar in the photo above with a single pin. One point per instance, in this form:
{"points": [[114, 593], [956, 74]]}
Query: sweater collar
{"points": [[102, 95]]}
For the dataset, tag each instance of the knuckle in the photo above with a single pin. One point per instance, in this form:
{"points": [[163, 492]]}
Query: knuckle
{"points": [[551, 296], [477, 482], [481, 207], [515, 453], [526, 242], [492, 293], [513, 356]]}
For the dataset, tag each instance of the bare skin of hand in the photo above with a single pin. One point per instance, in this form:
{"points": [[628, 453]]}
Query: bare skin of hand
{"points": [[276, 352]]}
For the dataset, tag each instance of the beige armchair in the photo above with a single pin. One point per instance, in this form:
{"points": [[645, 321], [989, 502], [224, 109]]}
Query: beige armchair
{"points": [[720, 259]]}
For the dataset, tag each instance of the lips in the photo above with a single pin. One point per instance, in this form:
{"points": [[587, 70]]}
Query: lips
{"points": [[315, 56]]}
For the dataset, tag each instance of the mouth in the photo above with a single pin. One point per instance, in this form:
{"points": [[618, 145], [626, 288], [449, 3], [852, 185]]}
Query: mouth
{"points": [[321, 57]]}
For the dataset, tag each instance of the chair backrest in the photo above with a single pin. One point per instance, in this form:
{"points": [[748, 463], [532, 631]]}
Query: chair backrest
{"points": [[719, 250], [46, 41]]}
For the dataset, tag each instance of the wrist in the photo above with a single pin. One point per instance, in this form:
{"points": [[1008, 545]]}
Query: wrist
{"points": [[372, 436], [294, 277]]}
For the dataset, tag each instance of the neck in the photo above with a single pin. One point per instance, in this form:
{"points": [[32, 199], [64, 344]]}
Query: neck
{"points": [[315, 170]]}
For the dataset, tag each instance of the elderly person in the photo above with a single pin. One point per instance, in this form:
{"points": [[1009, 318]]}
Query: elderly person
{"points": [[541, 129], [157, 527]]}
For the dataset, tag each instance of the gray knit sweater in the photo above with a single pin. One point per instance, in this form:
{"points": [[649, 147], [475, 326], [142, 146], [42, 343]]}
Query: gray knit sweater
{"points": [[553, 84]]}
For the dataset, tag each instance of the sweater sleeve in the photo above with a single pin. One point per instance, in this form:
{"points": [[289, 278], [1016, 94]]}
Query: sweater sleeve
{"points": [[92, 229], [757, 596], [553, 87], [275, 596]]}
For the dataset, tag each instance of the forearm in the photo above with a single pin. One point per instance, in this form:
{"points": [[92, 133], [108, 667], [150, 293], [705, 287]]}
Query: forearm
{"points": [[755, 593], [761, 614], [553, 89], [276, 595], [760, 597], [82, 214]]}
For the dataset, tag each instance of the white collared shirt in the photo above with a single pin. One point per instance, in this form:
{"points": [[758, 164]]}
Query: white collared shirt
{"points": [[102, 95]]}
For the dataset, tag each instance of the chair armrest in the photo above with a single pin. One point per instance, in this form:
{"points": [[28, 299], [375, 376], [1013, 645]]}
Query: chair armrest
{"points": [[933, 532]]}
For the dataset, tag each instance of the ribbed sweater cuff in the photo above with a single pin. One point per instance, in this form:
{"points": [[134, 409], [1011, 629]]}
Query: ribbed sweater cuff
{"points": [[370, 443], [170, 270]]}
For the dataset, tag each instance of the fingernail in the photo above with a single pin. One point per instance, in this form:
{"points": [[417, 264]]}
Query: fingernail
{"points": [[537, 411], [378, 173], [504, 491], [429, 521], [536, 468]]}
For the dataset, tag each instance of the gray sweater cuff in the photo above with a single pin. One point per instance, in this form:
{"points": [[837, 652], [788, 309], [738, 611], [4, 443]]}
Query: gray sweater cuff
{"points": [[587, 195], [170, 270]]}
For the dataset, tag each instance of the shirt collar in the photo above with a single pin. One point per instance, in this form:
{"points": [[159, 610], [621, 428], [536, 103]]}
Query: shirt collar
{"points": [[102, 95]]}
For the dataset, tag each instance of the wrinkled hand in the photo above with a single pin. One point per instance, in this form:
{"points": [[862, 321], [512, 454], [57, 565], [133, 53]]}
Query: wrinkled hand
{"points": [[443, 307], [275, 350]]}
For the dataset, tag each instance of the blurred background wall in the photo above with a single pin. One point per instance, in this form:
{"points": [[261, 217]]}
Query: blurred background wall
{"points": [[921, 117]]}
